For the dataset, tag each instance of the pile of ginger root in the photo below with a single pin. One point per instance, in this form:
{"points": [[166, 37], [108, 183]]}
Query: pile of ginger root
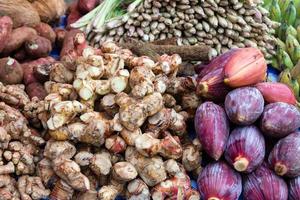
{"points": [[111, 124]]}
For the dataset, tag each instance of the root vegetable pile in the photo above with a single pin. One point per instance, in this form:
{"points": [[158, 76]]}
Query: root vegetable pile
{"points": [[97, 124]]}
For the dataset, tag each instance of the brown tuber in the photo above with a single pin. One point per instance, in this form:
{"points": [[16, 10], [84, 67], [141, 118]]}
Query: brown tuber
{"points": [[134, 113], [11, 71], [38, 47], [46, 31], [124, 172], [36, 89], [14, 95], [69, 171], [17, 38], [113, 125], [6, 25]]}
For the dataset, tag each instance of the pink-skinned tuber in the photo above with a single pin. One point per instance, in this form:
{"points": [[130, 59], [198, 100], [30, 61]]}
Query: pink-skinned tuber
{"points": [[11, 71]]}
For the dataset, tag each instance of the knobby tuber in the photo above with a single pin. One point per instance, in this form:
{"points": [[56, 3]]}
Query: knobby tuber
{"points": [[14, 95], [60, 74], [113, 123]]}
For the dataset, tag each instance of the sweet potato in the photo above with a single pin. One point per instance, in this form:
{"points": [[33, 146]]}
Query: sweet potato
{"points": [[28, 69], [42, 72], [60, 36], [73, 45], [28, 74], [74, 15], [69, 44], [80, 43], [85, 6], [18, 38], [45, 31], [6, 25], [20, 55], [36, 89], [11, 71], [38, 46]]}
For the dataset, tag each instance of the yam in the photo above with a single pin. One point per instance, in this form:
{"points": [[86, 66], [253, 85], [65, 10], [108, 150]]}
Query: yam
{"points": [[85, 6], [42, 72], [21, 12], [20, 55], [38, 46], [18, 38], [28, 69], [6, 25], [46, 31], [11, 71], [36, 89]]}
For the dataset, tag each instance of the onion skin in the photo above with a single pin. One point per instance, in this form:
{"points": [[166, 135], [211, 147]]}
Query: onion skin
{"points": [[241, 111], [294, 188], [219, 181], [280, 119], [264, 184], [285, 156], [276, 92], [245, 149], [212, 128]]}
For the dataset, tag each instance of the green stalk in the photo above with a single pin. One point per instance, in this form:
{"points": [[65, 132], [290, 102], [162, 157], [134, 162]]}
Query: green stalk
{"points": [[87, 18], [107, 8], [107, 11]]}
